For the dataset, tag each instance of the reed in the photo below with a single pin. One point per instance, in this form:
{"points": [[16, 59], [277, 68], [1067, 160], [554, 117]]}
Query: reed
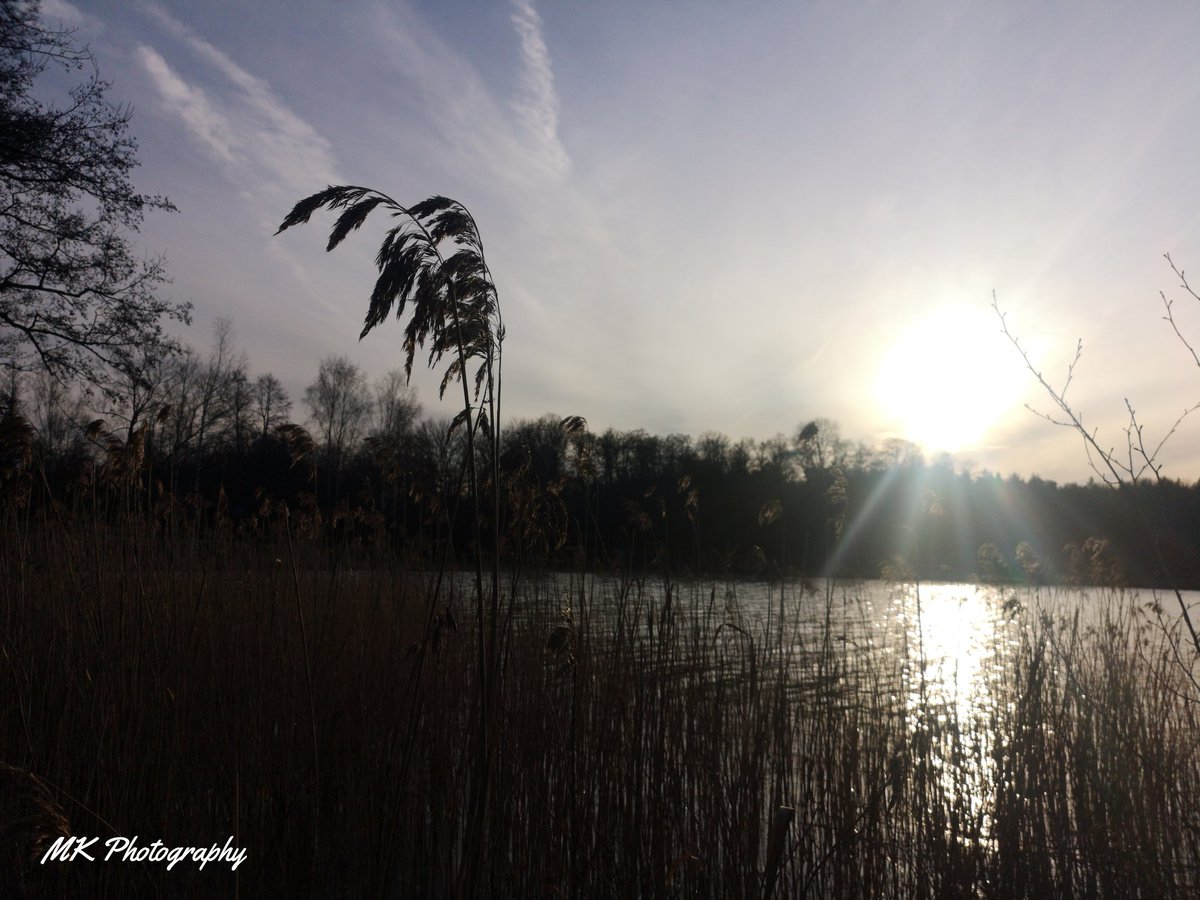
{"points": [[648, 739]]}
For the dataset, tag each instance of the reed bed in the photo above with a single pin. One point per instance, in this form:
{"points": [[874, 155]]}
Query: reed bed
{"points": [[649, 739]]}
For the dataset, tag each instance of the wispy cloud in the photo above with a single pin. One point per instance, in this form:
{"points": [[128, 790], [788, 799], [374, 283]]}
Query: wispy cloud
{"points": [[206, 124], [462, 125], [504, 142], [238, 118], [537, 105], [71, 16], [270, 155]]}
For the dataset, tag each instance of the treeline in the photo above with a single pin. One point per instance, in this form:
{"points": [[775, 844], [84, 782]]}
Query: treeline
{"points": [[198, 441]]}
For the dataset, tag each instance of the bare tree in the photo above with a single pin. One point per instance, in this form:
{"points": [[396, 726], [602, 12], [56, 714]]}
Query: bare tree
{"points": [[774, 455], [712, 448], [74, 297], [56, 413], [395, 407], [241, 412], [441, 451], [137, 387], [181, 394], [271, 404], [199, 395], [218, 379], [819, 446], [339, 403]]}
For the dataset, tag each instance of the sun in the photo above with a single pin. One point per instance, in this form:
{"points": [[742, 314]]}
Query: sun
{"points": [[946, 380]]}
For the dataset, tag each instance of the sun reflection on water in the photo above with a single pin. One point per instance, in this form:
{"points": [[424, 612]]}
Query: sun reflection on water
{"points": [[954, 628], [953, 633]]}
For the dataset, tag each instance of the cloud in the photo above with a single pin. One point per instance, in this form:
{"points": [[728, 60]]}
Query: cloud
{"points": [[537, 105], [467, 131], [71, 16], [506, 144], [239, 119], [191, 104]]}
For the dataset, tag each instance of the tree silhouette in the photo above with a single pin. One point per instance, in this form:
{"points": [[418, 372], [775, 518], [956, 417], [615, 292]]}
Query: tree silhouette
{"points": [[74, 298], [339, 402]]}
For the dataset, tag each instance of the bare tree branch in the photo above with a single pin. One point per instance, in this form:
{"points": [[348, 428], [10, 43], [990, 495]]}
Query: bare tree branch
{"points": [[75, 298], [1138, 458]]}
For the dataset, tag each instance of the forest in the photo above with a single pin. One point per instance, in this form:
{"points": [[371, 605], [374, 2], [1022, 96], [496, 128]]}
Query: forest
{"points": [[200, 442]]}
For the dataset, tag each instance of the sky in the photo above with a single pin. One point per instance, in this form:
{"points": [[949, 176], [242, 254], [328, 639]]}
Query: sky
{"points": [[706, 216]]}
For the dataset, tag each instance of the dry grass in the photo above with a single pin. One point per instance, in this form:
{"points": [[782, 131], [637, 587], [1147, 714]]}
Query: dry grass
{"points": [[642, 747], [30, 822]]}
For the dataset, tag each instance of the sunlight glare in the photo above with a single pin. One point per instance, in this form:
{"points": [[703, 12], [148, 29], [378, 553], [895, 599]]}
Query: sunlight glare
{"points": [[957, 632], [947, 379]]}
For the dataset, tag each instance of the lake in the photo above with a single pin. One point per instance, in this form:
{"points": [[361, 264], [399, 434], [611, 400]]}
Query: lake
{"points": [[947, 659]]}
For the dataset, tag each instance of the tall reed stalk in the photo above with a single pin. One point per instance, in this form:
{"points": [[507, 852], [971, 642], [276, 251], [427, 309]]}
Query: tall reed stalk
{"points": [[434, 260]]}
